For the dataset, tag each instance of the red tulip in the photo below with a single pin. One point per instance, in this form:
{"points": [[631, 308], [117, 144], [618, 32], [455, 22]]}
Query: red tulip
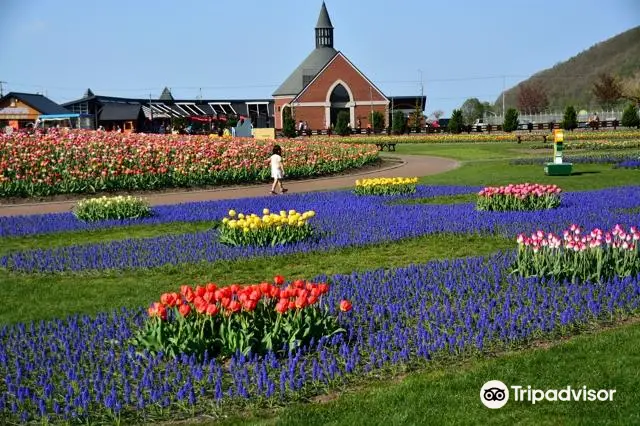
{"points": [[184, 310], [323, 287], [211, 287], [345, 306], [250, 305], [265, 288], [298, 284], [234, 306], [212, 310], [282, 306], [200, 291], [278, 280], [208, 296]]}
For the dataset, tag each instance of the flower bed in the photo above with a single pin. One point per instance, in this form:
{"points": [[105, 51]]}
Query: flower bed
{"points": [[86, 161], [523, 196], [105, 208], [629, 164], [343, 220], [270, 229], [84, 370], [604, 135], [595, 256], [207, 321], [608, 158], [386, 186], [595, 144]]}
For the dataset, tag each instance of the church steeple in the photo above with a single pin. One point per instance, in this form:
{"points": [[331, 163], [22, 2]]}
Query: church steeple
{"points": [[324, 29]]}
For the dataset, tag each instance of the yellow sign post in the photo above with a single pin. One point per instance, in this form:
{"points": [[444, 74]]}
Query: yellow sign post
{"points": [[558, 167]]}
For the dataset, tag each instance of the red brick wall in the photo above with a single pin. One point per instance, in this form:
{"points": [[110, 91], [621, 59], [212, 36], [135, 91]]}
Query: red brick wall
{"points": [[278, 104], [339, 69], [363, 111], [314, 116]]}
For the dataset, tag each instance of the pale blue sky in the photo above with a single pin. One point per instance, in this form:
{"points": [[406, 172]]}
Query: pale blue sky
{"points": [[246, 49]]}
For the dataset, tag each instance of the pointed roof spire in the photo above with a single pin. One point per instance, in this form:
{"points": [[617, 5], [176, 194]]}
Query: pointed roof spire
{"points": [[166, 95], [88, 93], [323, 20]]}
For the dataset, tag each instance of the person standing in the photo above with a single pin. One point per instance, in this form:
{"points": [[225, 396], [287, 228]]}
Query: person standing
{"points": [[277, 169]]}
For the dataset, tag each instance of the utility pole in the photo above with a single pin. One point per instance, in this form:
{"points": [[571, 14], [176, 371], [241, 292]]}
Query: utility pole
{"points": [[371, 98], [504, 87], [1, 90], [151, 112]]}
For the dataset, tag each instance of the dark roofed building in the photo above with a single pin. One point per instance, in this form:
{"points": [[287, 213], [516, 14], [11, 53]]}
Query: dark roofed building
{"points": [[137, 114], [19, 109]]}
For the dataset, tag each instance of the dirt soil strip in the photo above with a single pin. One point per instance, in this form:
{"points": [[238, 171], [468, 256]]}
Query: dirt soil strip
{"points": [[406, 166]]}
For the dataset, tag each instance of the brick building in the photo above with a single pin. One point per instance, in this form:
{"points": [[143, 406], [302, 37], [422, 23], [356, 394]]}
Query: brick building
{"points": [[325, 83]]}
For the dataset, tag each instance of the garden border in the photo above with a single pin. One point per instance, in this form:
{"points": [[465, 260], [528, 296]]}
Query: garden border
{"points": [[408, 166]]}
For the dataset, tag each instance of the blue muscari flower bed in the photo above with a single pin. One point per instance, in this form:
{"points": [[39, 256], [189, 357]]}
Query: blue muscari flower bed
{"points": [[629, 164], [580, 159], [342, 219], [82, 370]]}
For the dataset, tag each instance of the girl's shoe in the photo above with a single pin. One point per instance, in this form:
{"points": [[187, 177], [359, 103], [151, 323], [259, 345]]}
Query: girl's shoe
{"points": [[273, 193], [284, 190]]}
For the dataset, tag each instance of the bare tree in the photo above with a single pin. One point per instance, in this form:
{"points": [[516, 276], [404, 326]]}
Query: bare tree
{"points": [[437, 114], [631, 89], [532, 98], [607, 90]]}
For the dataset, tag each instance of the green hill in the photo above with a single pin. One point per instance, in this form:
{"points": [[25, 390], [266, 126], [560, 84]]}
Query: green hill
{"points": [[571, 81]]}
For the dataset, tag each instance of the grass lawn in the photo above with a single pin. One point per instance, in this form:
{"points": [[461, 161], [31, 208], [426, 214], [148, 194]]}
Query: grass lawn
{"points": [[46, 241], [440, 393], [584, 177], [448, 393], [89, 293]]}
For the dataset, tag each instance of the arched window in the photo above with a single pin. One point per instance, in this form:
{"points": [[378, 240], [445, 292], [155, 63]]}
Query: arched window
{"points": [[339, 94]]}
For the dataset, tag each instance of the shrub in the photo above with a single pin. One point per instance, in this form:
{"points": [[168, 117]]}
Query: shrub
{"points": [[104, 208], [376, 118], [630, 116], [386, 186], [342, 124], [596, 256], [510, 120], [224, 321], [288, 123], [398, 122], [519, 197], [456, 123], [570, 119], [268, 230]]}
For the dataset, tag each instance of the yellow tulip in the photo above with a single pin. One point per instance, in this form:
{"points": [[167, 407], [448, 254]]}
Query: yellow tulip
{"points": [[265, 211], [232, 213]]}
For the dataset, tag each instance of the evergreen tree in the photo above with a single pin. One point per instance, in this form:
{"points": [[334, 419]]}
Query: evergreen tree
{"points": [[630, 116], [398, 122], [510, 120], [288, 124], [570, 119], [456, 123], [376, 118], [416, 118], [342, 124]]}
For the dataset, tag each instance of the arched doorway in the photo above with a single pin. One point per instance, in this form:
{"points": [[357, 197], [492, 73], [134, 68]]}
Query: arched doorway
{"points": [[340, 100]]}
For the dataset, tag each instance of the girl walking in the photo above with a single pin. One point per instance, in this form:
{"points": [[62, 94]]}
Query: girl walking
{"points": [[277, 169]]}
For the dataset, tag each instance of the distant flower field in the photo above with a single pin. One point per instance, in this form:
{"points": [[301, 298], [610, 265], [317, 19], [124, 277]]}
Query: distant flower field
{"points": [[87, 162]]}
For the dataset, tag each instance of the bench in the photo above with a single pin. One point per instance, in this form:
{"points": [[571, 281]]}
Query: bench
{"points": [[391, 146], [532, 137]]}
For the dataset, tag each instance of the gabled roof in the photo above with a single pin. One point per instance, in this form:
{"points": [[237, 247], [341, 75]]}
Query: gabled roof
{"points": [[40, 103], [353, 66], [166, 95], [310, 67], [323, 20], [88, 94]]}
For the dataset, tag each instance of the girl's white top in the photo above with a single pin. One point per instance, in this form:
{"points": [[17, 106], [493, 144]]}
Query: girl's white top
{"points": [[276, 163]]}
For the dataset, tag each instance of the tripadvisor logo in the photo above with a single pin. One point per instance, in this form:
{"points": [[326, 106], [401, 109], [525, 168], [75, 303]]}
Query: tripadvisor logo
{"points": [[495, 394]]}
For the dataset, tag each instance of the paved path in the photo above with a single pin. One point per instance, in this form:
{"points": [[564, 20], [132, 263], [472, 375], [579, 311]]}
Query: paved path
{"points": [[406, 166]]}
